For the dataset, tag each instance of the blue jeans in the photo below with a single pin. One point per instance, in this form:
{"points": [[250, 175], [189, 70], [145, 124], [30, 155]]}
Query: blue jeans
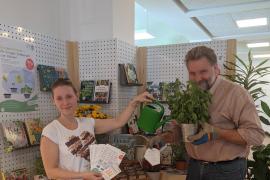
{"points": [[225, 170]]}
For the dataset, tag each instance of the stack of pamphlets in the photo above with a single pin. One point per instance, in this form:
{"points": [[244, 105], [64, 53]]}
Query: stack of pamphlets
{"points": [[105, 159]]}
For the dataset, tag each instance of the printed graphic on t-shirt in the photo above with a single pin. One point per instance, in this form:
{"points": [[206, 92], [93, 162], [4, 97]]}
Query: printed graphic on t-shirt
{"points": [[78, 145]]}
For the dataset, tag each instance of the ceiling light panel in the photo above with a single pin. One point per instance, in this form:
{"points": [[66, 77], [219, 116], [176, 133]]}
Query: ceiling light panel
{"points": [[261, 44], [251, 22]]}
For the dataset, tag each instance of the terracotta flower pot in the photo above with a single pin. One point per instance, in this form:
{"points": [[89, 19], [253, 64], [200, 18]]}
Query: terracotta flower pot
{"points": [[181, 165]]}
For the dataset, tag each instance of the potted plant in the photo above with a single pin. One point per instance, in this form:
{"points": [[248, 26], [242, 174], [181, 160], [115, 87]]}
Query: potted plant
{"points": [[179, 156], [250, 76], [26, 90], [188, 105]]}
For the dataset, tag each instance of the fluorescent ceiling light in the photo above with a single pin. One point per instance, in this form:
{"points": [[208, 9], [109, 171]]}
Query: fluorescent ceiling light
{"points": [[262, 44], [261, 56], [140, 35], [251, 22]]}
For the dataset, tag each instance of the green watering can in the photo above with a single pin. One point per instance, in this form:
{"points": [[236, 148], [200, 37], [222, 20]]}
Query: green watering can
{"points": [[151, 117]]}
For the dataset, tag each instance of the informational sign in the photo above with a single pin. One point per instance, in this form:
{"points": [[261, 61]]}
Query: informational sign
{"points": [[18, 92]]}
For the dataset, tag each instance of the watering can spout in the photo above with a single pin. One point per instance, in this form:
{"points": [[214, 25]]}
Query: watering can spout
{"points": [[164, 120]]}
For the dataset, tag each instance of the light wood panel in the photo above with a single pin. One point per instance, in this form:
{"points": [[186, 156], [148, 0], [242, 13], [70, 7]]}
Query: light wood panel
{"points": [[141, 55], [73, 63], [231, 51]]}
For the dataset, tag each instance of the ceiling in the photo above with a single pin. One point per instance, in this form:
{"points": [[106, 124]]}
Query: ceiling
{"points": [[181, 21]]}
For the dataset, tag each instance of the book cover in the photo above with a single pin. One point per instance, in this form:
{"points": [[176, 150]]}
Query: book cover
{"points": [[157, 89], [17, 174], [87, 91], [102, 91], [162, 86], [48, 75], [14, 135], [131, 74], [122, 74], [34, 130]]}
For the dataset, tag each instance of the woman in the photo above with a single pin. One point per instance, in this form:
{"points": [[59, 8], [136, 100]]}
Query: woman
{"points": [[64, 144]]}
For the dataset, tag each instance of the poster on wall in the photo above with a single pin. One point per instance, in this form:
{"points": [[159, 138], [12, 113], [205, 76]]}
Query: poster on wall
{"points": [[18, 92]]}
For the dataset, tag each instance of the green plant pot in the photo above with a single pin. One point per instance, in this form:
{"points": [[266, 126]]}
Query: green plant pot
{"points": [[188, 130]]}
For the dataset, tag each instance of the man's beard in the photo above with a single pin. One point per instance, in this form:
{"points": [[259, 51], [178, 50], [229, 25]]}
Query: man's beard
{"points": [[204, 85], [207, 84]]}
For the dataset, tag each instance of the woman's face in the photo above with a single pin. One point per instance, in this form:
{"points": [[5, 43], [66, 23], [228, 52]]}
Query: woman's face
{"points": [[65, 100]]}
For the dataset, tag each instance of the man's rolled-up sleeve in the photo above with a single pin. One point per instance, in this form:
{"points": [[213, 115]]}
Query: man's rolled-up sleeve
{"points": [[249, 124]]}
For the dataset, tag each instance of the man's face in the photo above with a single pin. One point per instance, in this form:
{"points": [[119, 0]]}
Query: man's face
{"points": [[202, 72]]}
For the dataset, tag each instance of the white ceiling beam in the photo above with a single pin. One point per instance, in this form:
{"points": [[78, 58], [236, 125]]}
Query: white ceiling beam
{"points": [[195, 20], [245, 36], [228, 9]]}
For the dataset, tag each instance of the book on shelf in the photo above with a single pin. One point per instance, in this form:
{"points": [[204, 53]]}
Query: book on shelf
{"points": [[131, 74], [48, 75], [33, 129], [14, 135], [122, 74], [87, 91], [17, 174], [102, 91], [157, 89]]}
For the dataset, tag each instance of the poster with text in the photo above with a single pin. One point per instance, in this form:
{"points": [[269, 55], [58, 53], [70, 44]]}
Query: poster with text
{"points": [[18, 88]]}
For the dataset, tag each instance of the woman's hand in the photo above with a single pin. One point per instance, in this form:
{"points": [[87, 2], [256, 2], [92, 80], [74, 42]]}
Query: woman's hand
{"points": [[106, 125], [92, 176], [141, 98]]}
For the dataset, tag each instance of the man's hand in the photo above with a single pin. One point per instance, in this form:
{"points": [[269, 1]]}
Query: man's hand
{"points": [[207, 133]]}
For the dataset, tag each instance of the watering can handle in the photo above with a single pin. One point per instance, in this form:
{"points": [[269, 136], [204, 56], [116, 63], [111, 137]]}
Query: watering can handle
{"points": [[162, 108], [154, 102]]}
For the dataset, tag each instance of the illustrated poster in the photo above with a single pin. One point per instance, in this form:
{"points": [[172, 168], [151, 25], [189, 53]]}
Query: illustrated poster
{"points": [[18, 92]]}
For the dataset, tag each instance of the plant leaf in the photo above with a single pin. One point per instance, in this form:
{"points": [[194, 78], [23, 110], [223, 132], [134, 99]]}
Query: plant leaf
{"points": [[242, 62], [264, 120], [265, 108]]}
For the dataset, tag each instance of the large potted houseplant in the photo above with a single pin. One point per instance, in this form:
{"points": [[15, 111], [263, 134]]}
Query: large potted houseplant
{"points": [[250, 75], [189, 105]]}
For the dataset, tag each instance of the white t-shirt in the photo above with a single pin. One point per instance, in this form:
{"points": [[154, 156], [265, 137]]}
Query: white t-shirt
{"points": [[73, 144]]}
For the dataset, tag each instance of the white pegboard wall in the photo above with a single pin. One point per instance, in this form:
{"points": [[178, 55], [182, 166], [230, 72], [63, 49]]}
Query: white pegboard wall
{"points": [[166, 63], [48, 51], [99, 59], [126, 53]]}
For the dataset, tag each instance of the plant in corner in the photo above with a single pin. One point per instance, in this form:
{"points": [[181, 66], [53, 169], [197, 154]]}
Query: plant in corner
{"points": [[188, 104], [249, 75], [258, 169]]}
